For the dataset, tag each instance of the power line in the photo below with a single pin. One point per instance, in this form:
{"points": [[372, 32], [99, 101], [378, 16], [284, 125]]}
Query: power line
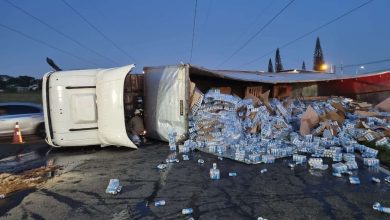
{"points": [[99, 31], [254, 21], [310, 32], [60, 32], [46, 44], [208, 11], [256, 34], [193, 30], [367, 63]]}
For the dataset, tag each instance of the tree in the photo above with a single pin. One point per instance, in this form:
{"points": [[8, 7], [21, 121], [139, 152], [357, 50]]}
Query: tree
{"points": [[25, 81], [278, 62], [270, 66], [318, 61], [303, 65]]}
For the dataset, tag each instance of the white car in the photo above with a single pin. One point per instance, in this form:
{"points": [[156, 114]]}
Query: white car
{"points": [[28, 115]]}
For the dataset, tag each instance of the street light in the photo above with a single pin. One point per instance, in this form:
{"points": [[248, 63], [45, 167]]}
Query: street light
{"points": [[324, 67]]}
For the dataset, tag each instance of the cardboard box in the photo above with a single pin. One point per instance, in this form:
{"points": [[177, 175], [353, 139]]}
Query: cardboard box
{"points": [[335, 116], [309, 120], [384, 106], [366, 113], [225, 90], [253, 90], [255, 100], [195, 97], [192, 89]]}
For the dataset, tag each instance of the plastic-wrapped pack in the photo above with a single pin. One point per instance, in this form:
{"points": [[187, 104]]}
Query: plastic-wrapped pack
{"points": [[299, 158], [339, 167], [348, 157], [254, 157], [317, 163], [113, 186], [337, 156], [172, 140], [369, 152], [354, 180], [349, 149], [377, 206], [371, 162], [352, 165], [383, 142], [268, 158], [369, 136]]}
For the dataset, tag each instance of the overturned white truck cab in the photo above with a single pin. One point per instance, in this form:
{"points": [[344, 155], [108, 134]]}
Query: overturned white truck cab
{"points": [[85, 107]]}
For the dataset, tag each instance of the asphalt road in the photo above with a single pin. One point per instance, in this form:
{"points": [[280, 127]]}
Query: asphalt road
{"points": [[78, 192]]}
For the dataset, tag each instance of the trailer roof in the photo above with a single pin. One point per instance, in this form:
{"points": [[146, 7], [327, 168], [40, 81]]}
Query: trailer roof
{"points": [[275, 78]]}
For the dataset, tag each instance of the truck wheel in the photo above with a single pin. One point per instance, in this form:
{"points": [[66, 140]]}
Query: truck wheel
{"points": [[41, 132]]}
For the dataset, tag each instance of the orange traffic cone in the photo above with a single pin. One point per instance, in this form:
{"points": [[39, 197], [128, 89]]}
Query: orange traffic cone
{"points": [[17, 135]]}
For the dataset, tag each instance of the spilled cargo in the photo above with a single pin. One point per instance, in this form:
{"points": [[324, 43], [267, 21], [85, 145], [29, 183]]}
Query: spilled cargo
{"points": [[254, 131]]}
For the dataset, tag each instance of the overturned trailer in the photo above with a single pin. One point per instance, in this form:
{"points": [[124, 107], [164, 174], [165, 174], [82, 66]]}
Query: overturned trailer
{"points": [[168, 88]]}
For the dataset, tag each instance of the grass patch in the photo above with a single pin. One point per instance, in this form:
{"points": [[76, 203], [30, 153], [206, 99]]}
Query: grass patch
{"points": [[383, 152], [35, 97]]}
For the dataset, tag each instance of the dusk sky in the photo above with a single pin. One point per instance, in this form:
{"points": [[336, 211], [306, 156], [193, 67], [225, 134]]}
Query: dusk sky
{"points": [[159, 32]]}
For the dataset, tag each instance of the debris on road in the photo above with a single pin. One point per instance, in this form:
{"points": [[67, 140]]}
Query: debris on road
{"points": [[299, 159], [159, 203], [291, 165], [377, 206], [354, 180], [339, 168], [214, 172], [162, 166], [200, 161], [375, 180], [29, 179], [172, 158], [232, 173], [337, 174], [184, 149], [263, 171], [371, 162], [187, 211], [172, 140], [113, 187], [316, 163]]}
